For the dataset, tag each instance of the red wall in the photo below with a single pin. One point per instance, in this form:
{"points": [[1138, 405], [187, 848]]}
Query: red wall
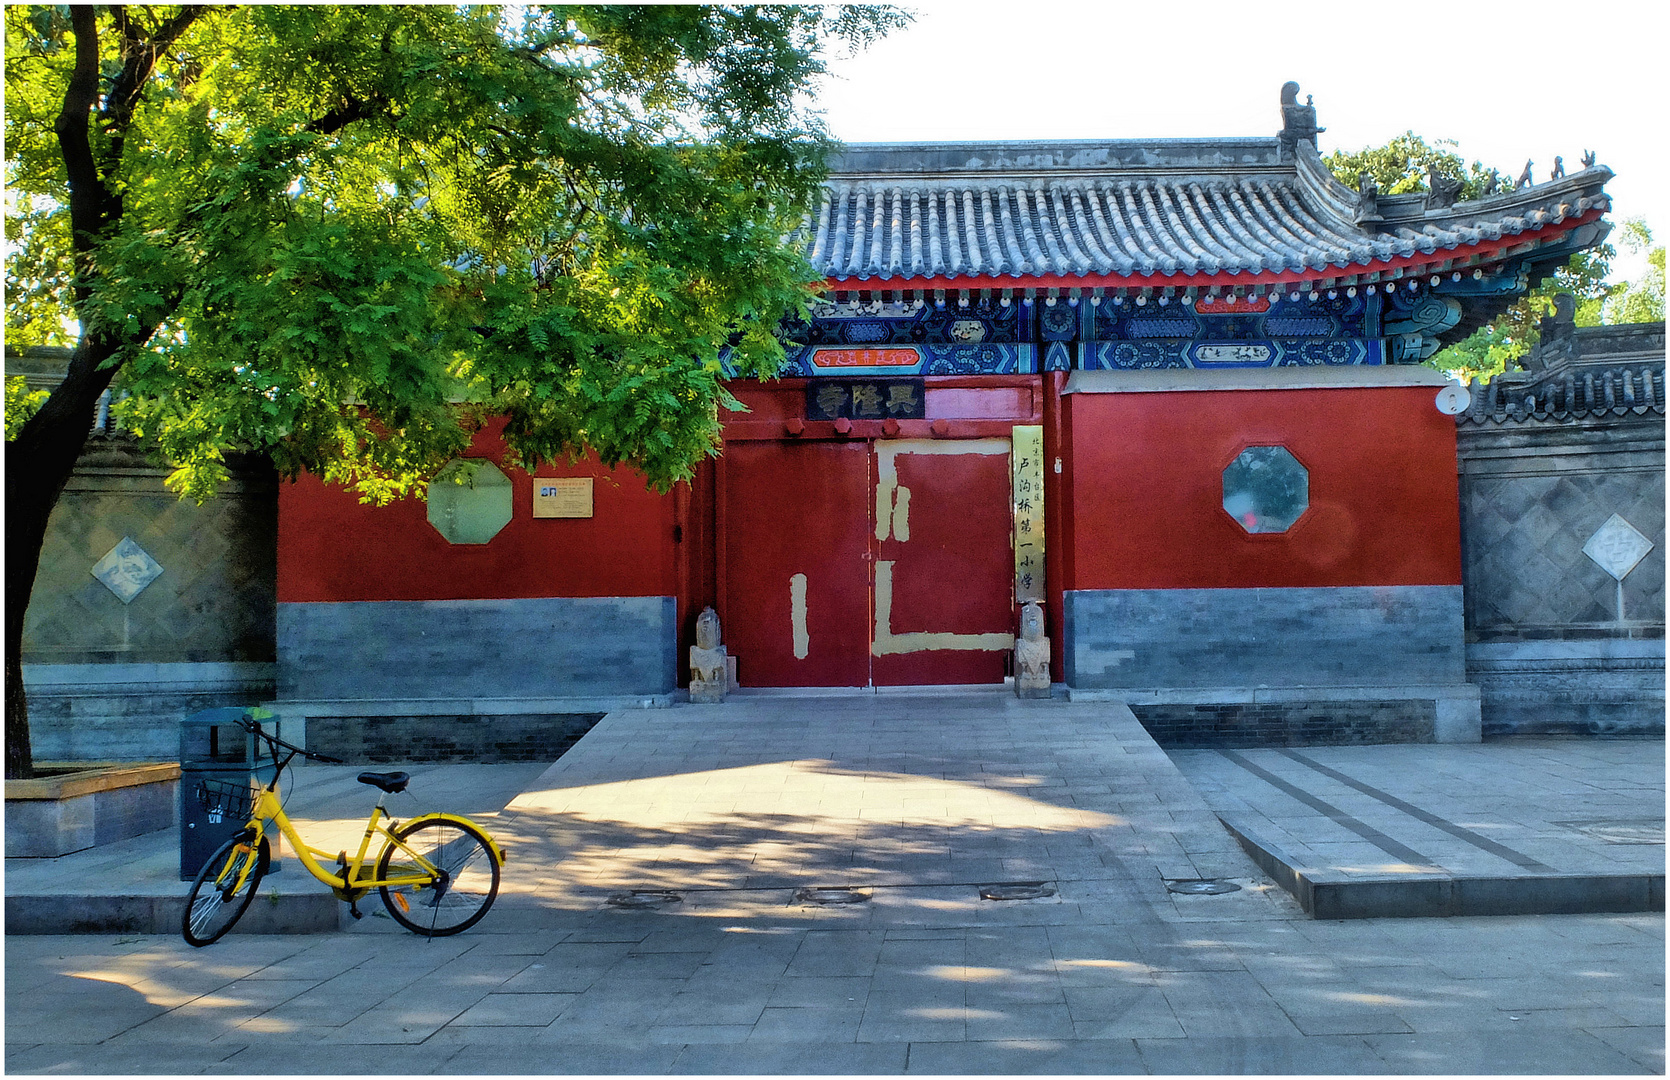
{"points": [[331, 547], [1145, 484]]}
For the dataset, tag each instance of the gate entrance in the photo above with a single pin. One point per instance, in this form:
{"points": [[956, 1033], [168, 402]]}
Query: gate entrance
{"points": [[860, 563]]}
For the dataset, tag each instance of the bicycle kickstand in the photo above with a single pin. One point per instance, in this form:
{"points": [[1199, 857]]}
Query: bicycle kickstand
{"points": [[353, 902]]}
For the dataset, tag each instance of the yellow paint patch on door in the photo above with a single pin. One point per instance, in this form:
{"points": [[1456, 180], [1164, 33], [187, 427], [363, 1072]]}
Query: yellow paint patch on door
{"points": [[797, 616], [893, 500], [886, 643], [901, 514], [887, 484]]}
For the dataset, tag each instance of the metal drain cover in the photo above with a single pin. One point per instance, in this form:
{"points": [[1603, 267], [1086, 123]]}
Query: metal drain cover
{"points": [[1017, 890], [1202, 886], [831, 894], [645, 898]]}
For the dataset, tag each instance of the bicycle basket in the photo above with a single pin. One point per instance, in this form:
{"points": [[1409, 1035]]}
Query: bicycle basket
{"points": [[224, 798]]}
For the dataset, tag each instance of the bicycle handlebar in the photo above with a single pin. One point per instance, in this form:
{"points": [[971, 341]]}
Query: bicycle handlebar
{"points": [[274, 742]]}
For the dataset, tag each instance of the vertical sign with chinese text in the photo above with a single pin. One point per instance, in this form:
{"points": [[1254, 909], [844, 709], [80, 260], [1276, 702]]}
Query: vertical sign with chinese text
{"points": [[1027, 485]]}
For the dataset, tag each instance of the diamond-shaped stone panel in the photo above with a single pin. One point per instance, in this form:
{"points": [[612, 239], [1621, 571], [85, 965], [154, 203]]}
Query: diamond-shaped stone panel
{"points": [[126, 569], [1617, 546], [214, 602], [1524, 535]]}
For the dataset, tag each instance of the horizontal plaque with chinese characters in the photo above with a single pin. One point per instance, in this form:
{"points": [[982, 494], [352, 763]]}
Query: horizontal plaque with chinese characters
{"points": [[1026, 459], [865, 358], [1233, 353], [562, 497], [865, 399]]}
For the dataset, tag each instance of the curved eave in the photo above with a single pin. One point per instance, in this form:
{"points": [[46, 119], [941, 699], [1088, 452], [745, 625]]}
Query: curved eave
{"points": [[1533, 206], [1362, 271]]}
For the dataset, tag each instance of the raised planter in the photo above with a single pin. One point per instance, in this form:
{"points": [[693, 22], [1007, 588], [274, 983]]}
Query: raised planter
{"points": [[74, 805]]}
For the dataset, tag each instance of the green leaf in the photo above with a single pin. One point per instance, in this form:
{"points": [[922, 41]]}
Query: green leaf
{"points": [[349, 234]]}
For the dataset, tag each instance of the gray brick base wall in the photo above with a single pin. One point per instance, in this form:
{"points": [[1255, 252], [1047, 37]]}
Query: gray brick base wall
{"points": [[461, 649], [1353, 636], [130, 712], [481, 739], [1600, 688], [1321, 723]]}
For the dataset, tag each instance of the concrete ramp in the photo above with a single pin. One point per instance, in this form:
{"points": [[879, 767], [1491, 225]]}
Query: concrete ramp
{"points": [[893, 794], [1513, 828]]}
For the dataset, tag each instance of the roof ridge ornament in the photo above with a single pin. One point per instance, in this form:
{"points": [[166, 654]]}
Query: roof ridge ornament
{"points": [[1368, 201], [1441, 190], [1557, 335], [1298, 121]]}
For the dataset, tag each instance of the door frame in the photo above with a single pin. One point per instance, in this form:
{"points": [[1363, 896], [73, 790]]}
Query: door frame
{"points": [[958, 407]]}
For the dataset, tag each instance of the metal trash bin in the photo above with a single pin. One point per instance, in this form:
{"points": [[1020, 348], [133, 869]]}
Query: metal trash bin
{"points": [[218, 757]]}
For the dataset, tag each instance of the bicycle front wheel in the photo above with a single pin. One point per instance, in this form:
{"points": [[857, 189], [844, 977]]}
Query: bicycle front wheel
{"points": [[457, 895], [223, 890]]}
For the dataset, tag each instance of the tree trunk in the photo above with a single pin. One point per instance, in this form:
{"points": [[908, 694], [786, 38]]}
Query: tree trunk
{"points": [[38, 465]]}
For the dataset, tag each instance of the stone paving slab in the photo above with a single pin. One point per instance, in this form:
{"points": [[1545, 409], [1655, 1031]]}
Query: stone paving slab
{"points": [[1113, 994], [737, 809], [916, 800], [1524, 827]]}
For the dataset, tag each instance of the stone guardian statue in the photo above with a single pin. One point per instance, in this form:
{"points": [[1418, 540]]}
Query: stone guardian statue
{"points": [[1032, 654], [708, 677]]}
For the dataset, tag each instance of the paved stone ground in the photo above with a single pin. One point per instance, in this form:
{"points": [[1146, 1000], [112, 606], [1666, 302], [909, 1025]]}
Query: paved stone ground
{"points": [[915, 803], [1497, 809]]}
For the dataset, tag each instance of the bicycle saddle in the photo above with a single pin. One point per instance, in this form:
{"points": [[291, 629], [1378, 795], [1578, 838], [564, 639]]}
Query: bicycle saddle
{"points": [[390, 782]]}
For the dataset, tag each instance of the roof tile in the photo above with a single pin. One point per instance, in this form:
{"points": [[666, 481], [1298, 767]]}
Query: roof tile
{"points": [[1124, 209]]}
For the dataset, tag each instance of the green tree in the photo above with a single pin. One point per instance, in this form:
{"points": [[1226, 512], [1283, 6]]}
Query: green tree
{"points": [[21, 404], [1400, 167], [1643, 300], [256, 216], [1488, 351]]}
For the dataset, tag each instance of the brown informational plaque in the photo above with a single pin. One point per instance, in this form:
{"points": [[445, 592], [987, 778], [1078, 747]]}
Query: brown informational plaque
{"points": [[562, 497]]}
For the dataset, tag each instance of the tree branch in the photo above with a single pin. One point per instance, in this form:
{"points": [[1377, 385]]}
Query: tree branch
{"points": [[350, 110], [139, 61], [88, 195]]}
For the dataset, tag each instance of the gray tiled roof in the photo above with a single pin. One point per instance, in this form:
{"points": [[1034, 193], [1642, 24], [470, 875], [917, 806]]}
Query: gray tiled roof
{"points": [[1182, 208], [1595, 372]]}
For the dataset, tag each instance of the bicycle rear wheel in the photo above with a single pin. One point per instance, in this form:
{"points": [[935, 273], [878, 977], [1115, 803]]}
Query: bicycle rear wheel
{"points": [[223, 890], [456, 901]]}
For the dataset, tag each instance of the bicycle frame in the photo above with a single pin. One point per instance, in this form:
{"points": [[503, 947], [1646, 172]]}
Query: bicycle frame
{"points": [[455, 844], [267, 808]]}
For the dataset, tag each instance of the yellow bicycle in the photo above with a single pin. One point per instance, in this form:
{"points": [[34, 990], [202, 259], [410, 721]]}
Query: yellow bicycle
{"points": [[437, 874]]}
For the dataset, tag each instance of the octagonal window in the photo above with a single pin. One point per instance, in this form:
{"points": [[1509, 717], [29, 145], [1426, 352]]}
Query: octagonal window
{"points": [[469, 501], [1266, 489]]}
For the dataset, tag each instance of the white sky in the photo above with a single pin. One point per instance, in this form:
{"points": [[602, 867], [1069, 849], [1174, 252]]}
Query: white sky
{"points": [[1507, 81]]}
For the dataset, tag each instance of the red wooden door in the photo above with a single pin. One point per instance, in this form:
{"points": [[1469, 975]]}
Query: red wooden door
{"points": [[796, 521], [944, 570], [850, 563]]}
